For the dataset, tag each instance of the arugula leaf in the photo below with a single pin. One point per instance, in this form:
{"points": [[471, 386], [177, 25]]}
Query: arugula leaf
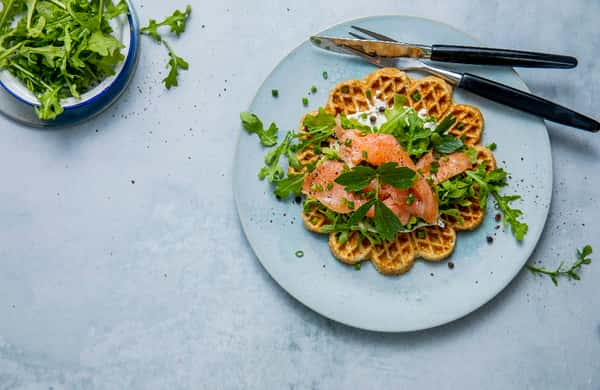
{"points": [[254, 125], [571, 272], [511, 216], [320, 122], [445, 124], [176, 22], [351, 123], [290, 185], [319, 127], [396, 176], [175, 64], [357, 178], [490, 183], [386, 222], [272, 171]]}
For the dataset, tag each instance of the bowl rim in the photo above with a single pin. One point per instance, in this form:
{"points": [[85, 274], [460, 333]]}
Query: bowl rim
{"points": [[92, 99]]}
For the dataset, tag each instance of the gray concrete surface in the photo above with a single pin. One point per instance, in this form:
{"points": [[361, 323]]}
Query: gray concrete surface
{"points": [[123, 265]]}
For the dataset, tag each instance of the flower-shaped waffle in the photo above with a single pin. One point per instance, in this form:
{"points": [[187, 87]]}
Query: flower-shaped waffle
{"points": [[431, 243]]}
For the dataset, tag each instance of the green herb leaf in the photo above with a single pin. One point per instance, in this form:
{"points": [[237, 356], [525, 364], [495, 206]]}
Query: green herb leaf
{"points": [[361, 213], [254, 125], [571, 272], [175, 64], [357, 178], [290, 185], [386, 222], [448, 144], [176, 23], [445, 124], [396, 176]]}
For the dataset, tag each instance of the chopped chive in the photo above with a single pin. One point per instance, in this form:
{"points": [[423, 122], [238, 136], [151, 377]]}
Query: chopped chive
{"points": [[313, 89], [348, 142], [410, 199], [369, 93], [345, 89], [325, 75], [275, 93], [299, 253], [416, 96], [492, 146], [329, 186], [460, 126], [363, 116], [357, 266], [364, 154], [420, 234], [305, 101]]}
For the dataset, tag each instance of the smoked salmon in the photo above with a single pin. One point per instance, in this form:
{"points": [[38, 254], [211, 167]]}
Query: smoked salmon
{"points": [[448, 166], [374, 149]]}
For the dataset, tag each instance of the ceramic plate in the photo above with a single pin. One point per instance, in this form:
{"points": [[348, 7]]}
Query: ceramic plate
{"points": [[431, 294]]}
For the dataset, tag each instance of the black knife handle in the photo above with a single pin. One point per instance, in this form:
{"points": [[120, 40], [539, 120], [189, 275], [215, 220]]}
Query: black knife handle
{"points": [[526, 102], [484, 56]]}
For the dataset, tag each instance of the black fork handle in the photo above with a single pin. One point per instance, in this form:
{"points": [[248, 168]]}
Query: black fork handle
{"points": [[527, 102], [485, 56]]}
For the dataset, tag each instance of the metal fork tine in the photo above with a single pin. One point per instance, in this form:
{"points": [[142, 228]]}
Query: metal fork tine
{"points": [[373, 34], [358, 36]]}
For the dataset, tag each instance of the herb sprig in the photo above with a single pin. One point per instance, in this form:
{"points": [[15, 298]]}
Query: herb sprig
{"points": [[387, 224], [176, 23], [572, 272]]}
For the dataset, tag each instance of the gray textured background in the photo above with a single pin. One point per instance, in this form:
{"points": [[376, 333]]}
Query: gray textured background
{"points": [[109, 284]]}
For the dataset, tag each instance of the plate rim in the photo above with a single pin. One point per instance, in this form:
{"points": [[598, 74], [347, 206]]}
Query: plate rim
{"points": [[432, 324]]}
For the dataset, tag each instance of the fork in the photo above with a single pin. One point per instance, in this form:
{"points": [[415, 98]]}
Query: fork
{"points": [[483, 87]]}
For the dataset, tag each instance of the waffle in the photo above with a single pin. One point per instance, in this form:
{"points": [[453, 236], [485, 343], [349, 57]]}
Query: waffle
{"points": [[432, 243]]}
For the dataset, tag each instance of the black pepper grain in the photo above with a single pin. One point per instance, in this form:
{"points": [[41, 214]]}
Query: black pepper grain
{"points": [[298, 199], [498, 217], [450, 265], [490, 239]]}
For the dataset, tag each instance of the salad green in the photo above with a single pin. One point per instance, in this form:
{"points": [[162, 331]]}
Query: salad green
{"points": [[59, 48]]}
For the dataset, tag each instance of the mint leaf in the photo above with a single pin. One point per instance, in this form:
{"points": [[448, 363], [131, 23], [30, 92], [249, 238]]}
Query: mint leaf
{"points": [[396, 176], [386, 222], [357, 178], [361, 213], [448, 144]]}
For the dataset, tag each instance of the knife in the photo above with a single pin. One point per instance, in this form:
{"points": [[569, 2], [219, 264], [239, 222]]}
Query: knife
{"points": [[446, 53]]}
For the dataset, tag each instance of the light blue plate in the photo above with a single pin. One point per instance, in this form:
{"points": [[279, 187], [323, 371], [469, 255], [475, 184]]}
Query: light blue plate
{"points": [[430, 294]]}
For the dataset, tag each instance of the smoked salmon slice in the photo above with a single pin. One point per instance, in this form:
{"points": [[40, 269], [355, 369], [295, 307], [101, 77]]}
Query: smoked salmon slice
{"points": [[320, 184], [448, 166]]}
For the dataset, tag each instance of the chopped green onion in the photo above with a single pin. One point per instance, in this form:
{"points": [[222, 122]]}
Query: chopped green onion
{"points": [[313, 89], [275, 93], [492, 146], [305, 101], [299, 253], [416, 96], [357, 266], [325, 75]]}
